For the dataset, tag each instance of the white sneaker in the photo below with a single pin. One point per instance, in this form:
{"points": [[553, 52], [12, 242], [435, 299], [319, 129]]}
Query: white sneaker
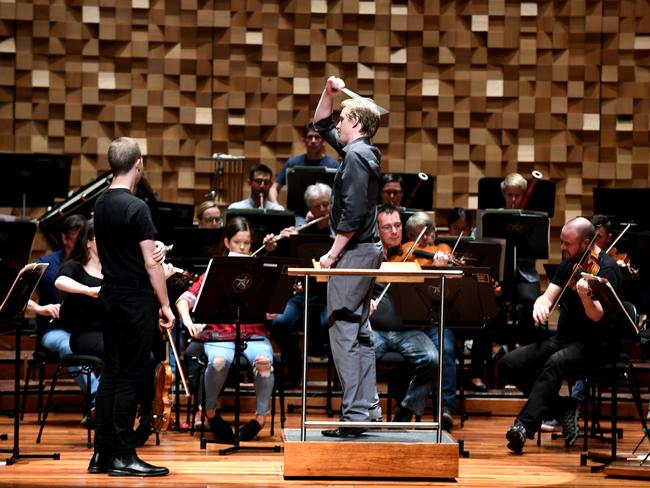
{"points": [[551, 426]]}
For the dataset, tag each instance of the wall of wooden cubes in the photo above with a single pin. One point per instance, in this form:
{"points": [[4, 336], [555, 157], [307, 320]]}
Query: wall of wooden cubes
{"points": [[474, 88]]}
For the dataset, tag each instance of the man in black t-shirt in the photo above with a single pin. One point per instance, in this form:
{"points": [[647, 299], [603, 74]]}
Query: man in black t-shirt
{"points": [[538, 369], [132, 297]]}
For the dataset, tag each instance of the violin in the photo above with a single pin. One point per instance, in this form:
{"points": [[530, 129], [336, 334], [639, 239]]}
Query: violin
{"points": [[622, 259], [425, 256], [161, 407]]}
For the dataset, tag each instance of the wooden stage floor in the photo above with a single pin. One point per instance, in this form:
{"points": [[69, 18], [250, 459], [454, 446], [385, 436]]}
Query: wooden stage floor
{"points": [[490, 464]]}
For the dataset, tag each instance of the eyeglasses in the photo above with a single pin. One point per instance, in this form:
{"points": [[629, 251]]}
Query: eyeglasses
{"points": [[392, 192], [389, 227], [212, 220], [261, 181]]}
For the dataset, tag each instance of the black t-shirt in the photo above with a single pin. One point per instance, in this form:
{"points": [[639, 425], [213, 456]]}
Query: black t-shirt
{"points": [[386, 316], [574, 325], [80, 313], [122, 221]]}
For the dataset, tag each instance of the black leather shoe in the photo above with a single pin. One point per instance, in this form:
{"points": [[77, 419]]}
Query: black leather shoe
{"points": [[447, 420], [250, 431], [344, 432], [132, 465], [402, 414], [516, 436], [221, 430], [99, 462]]}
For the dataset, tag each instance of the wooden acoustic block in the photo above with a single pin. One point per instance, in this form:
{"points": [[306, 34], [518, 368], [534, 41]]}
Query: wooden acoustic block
{"points": [[376, 454]]}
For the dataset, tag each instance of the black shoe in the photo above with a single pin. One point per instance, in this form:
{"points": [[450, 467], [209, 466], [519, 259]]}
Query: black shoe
{"points": [[402, 414], [477, 384], [344, 432], [447, 420], [99, 462], [221, 430], [570, 425], [516, 436], [132, 465], [250, 430]]}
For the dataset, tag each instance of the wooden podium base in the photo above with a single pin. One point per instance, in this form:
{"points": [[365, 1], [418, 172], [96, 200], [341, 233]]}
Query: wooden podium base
{"points": [[397, 454]]}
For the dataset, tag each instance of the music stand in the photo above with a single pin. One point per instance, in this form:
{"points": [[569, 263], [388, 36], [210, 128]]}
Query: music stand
{"points": [[16, 240], [11, 309], [33, 180], [542, 199], [299, 178], [486, 252], [236, 290], [419, 303], [623, 204], [527, 233]]}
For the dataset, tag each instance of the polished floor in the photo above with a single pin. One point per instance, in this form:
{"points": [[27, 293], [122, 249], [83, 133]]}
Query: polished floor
{"points": [[489, 463]]}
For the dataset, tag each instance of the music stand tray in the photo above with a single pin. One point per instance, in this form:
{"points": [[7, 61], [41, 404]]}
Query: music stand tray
{"points": [[241, 289]]}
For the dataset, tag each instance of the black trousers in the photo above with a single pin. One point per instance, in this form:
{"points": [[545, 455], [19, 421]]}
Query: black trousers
{"points": [[538, 370], [91, 342], [130, 323]]}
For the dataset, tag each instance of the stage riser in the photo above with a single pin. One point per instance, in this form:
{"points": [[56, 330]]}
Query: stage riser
{"points": [[364, 459]]}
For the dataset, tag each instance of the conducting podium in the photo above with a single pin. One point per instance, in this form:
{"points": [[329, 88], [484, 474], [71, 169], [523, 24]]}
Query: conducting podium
{"points": [[423, 451]]}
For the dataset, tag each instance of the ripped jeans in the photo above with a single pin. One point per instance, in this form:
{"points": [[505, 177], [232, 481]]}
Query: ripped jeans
{"points": [[221, 356]]}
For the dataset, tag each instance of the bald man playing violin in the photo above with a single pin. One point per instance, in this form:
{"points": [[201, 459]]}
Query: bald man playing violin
{"points": [[583, 339]]}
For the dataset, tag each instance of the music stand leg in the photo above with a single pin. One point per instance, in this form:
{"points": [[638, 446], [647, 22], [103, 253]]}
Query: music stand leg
{"points": [[15, 450], [236, 447]]}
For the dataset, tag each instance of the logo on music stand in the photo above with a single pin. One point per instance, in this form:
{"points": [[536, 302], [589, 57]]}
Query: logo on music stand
{"points": [[242, 283]]}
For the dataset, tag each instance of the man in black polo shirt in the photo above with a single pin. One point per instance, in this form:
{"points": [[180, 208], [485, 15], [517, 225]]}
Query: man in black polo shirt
{"points": [[356, 245], [132, 298]]}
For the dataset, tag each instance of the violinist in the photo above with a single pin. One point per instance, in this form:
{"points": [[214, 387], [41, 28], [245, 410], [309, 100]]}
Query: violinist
{"points": [[432, 255], [538, 369], [459, 221], [220, 355], [391, 189], [418, 345]]}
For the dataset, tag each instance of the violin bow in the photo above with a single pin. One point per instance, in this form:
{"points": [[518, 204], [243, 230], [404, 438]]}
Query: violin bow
{"points": [[178, 363], [408, 254], [627, 226]]}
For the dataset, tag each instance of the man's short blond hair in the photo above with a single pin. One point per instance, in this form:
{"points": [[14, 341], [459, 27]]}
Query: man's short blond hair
{"points": [[364, 111]]}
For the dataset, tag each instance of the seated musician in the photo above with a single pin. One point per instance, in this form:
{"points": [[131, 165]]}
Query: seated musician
{"points": [[438, 255], [391, 189], [460, 220], [525, 285], [259, 352], [539, 368], [417, 345], [209, 215], [285, 325], [260, 178], [80, 279], [50, 331]]}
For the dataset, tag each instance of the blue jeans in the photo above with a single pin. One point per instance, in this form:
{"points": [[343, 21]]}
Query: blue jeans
{"points": [[58, 341], [418, 350], [220, 358], [449, 366]]}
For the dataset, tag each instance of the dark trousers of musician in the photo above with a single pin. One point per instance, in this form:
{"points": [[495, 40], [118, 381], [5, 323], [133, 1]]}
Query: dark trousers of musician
{"points": [[348, 300], [130, 324], [538, 370]]}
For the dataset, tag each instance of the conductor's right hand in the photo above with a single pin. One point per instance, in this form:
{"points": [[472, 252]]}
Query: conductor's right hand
{"points": [[334, 85], [166, 317]]}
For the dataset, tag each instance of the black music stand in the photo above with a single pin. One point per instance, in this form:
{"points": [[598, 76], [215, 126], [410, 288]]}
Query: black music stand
{"points": [[542, 198], [419, 303], [299, 178], [527, 234], [490, 252], [10, 311], [236, 290]]}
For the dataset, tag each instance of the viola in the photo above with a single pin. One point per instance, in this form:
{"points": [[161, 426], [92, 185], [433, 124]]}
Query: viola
{"points": [[589, 264], [623, 260], [161, 408], [425, 255]]}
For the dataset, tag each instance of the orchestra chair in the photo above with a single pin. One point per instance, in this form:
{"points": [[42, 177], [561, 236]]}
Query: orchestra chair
{"points": [[36, 366], [196, 364], [608, 377], [86, 365], [394, 369]]}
